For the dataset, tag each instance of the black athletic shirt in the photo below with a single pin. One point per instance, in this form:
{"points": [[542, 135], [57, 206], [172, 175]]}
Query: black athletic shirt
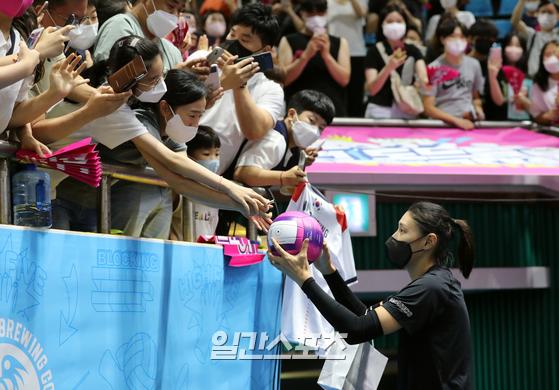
{"points": [[316, 75], [435, 343]]}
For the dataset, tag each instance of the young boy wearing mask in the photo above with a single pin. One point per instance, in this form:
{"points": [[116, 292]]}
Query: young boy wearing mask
{"points": [[204, 148], [273, 160], [483, 34]]}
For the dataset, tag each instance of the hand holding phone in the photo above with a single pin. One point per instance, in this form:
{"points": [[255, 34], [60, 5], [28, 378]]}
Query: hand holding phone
{"points": [[264, 61], [34, 37], [212, 82], [126, 77], [215, 55]]}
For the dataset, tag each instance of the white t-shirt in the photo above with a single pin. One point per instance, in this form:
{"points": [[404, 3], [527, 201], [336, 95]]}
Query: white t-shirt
{"points": [[343, 22], [114, 129], [4, 45], [535, 41], [222, 117], [265, 153], [14, 93], [300, 318], [465, 17], [543, 101], [205, 219]]}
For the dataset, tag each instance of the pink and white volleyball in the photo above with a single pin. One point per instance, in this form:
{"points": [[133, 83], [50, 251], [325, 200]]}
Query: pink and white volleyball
{"points": [[291, 228]]}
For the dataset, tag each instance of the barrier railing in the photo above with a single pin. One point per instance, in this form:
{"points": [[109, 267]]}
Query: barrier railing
{"points": [[428, 123], [148, 175], [111, 172]]}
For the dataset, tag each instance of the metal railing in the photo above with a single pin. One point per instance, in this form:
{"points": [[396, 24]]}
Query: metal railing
{"points": [[111, 172], [148, 175]]}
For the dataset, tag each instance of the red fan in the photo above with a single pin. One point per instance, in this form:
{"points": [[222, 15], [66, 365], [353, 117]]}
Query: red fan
{"points": [[440, 74], [79, 160], [515, 77]]}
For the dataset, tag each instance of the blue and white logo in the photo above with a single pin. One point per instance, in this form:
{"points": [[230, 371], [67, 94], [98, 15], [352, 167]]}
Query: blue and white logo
{"points": [[23, 362]]}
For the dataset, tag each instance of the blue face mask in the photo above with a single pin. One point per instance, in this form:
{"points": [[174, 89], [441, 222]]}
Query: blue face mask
{"points": [[211, 165]]}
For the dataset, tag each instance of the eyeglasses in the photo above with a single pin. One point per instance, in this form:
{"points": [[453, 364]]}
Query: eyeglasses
{"points": [[75, 19]]}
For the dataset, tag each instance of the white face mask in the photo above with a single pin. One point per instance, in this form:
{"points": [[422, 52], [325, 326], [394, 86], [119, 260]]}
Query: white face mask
{"points": [[456, 46], [446, 4], [394, 31], [178, 131], [551, 64], [304, 134], [216, 29], [211, 165], [161, 23], [83, 37], [547, 21], [316, 24], [155, 94], [531, 6], [513, 53]]}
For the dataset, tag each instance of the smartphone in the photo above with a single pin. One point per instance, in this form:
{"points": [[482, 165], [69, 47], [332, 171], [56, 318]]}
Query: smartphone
{"points": [[496, 53], [127, 76], [71, 21], [212, 82], [302, 160], [34, 37], [319, 144], [264, 60], [215, 55]]}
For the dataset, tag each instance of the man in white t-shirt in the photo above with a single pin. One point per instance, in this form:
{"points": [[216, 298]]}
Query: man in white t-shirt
{"points": [[251, 110]]}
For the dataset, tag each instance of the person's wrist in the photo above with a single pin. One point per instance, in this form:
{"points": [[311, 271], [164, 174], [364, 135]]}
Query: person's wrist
{"points": [[304, 278], [55, 94]]}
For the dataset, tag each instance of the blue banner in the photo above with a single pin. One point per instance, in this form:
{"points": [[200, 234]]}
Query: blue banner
{"points": [[85, 311]]}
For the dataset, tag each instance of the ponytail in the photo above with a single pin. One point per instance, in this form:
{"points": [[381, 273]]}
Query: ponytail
{"points": [[466, 251], [433, 218]]}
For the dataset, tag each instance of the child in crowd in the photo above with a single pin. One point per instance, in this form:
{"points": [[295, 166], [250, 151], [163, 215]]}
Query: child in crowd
{"points": [[204, 148], [544, 95], [547, 15], [514, 54], [457, 102]]}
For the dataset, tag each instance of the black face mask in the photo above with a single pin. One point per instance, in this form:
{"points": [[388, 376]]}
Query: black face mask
{"points": [[234, 47], [483, 46], [400, 252]]}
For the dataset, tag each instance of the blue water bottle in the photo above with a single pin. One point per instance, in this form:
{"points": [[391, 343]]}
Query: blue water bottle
{"points": [[31, 198]]}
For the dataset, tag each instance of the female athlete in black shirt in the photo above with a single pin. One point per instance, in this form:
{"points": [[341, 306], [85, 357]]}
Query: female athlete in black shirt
{"points": [[430, 312]]}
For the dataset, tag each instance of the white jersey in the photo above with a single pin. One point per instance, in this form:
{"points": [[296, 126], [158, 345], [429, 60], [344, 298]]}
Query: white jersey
{"points": [[300, 318]]}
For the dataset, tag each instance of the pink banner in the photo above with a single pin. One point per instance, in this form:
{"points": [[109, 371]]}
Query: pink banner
{"points": [[437, 151]]}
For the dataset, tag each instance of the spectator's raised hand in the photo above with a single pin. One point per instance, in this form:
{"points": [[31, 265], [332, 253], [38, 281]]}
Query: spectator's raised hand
{"points": [[324, 43], [30, 58], [65, 75], [104, 101], [494, 66], [313, 47], [52, 41], [251, 203], [203, 43], [198, 66], [235, 75], [213, 97]]}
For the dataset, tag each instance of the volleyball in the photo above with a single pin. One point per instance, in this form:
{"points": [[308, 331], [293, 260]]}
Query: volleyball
{"points": [[291, 228]]}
